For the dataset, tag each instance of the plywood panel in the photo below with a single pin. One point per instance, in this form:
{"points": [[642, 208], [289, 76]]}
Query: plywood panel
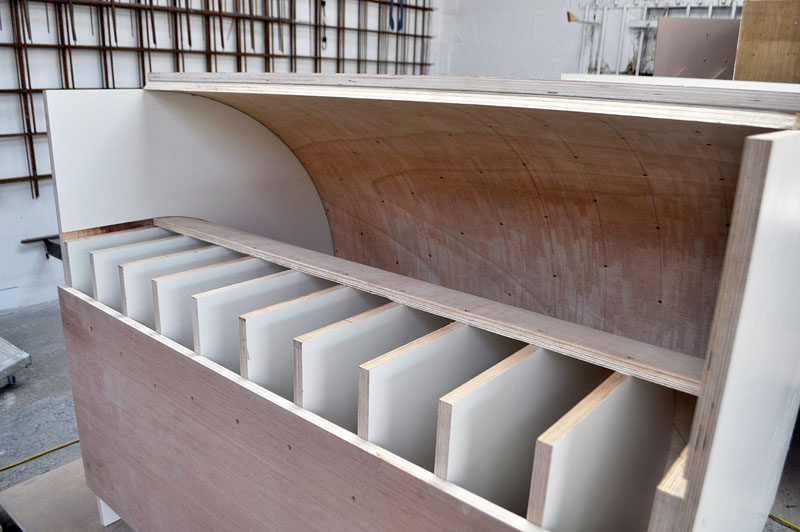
{"points": [[696, 47], [266, 334], [398, 391], [174, 154], [215, 313], [327, 360], [174, 441], [669, 496], [487, 427], [745, 417], [78, 269], [173, 293], [646, 361], [597, 467], [579, 210], [105, 264], [136, 278], [769, 41]]}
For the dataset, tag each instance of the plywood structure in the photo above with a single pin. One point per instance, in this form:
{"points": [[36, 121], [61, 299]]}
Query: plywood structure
{"points": [[326, 360], [642, 230], [769, 41]]}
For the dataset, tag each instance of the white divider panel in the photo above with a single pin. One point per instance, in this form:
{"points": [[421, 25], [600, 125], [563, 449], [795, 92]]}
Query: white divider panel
{"points": [[597, 467], [105, 264], [398, 392], [215, 313], [172, 294], [669, 496], [487, 427], [327, 360], [136, 277], [266, 334], [78, 269]]}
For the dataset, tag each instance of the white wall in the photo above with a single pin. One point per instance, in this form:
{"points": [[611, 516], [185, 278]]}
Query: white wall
{"points": [[26, 278], [505, 38]]}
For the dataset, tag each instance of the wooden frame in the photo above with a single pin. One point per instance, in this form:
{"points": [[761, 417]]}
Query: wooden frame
{"points": [[396, 190]]}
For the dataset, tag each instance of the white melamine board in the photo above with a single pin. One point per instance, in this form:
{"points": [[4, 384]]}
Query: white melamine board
{"points": [[175, 154], [327, 360], [172, 294], [399, 391], [105, 264], [487, 427], [136, 278], [597, 467], [756, 401], [266, 334], [215, 313], [78, 269]]}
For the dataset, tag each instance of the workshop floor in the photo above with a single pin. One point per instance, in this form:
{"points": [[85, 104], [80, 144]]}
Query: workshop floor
{"points": [[37, 413]]}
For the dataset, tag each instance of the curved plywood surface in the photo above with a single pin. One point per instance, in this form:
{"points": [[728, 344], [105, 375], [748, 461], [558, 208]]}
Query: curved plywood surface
{"points": [[615, 222]]}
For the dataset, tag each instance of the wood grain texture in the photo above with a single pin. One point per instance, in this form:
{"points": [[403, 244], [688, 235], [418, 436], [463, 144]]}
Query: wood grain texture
{"points": [[267, 348], [404, 385], [669, 496], [487, 427], [769, 41], [751, 393], [648, 362], [597, 467], [239, 450]]}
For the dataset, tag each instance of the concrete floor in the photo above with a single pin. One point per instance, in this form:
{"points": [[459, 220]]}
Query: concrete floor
{"points": [[37, 413]]}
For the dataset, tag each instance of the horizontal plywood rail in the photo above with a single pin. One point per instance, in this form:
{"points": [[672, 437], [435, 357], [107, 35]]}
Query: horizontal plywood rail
{"points": [[645, 361]]}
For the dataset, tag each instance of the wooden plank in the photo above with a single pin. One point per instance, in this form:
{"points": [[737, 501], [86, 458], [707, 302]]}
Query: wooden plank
{"points": [[609, 86], [398, 391], [105, 264], [487, 427], [669, 496], [327, 360], [157, 162], [744, 419], [175, 442], [215, 313], [769, 41], [136, 277], [597, 467], [266, 345], [172, 294], [78, 269], [648, 362]]}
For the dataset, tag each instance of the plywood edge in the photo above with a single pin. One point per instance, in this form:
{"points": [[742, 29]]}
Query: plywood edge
{"points": [[751, 95], [645, 361], [81, 234], [297, 379], [175, 275], [385, 358], [309, 336], [540, 476], [490, 374], [444, 419], [242, 284], [363, 403], [669, 496], [244, 352], [76, 304], [255, 314], [217, 90], [589, 403]]}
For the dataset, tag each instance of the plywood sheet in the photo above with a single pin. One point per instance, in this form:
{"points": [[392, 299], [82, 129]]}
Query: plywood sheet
{"points": [[221, 453], [769, 41], [696, 47]]}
